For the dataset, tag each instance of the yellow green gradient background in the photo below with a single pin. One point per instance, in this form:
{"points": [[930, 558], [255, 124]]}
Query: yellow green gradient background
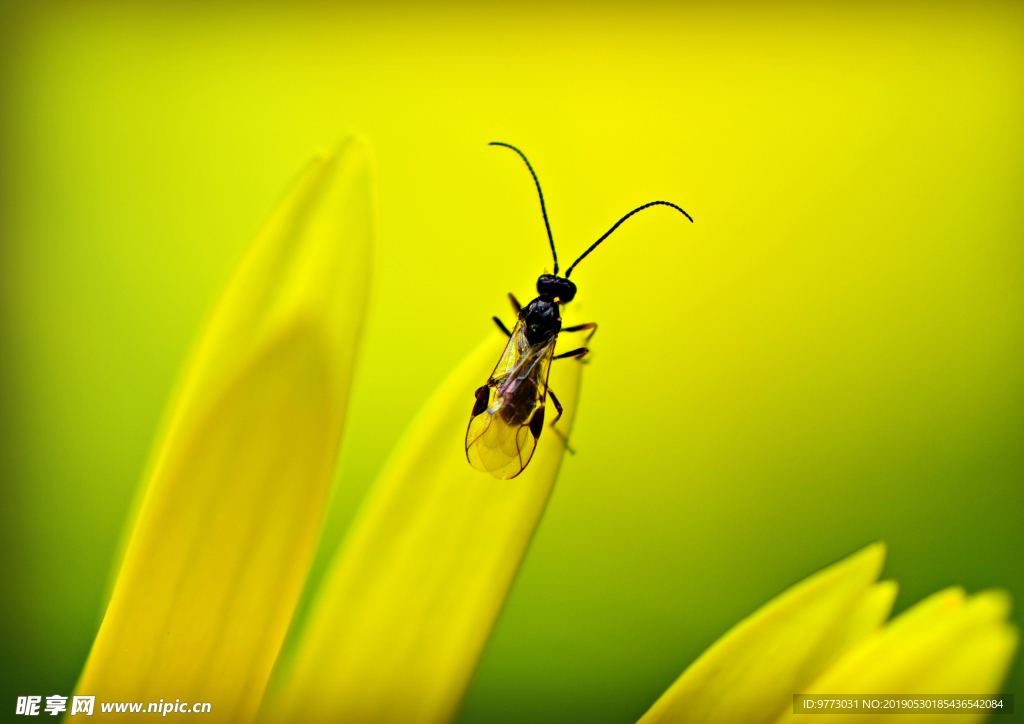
{"points": [[831, 354]]}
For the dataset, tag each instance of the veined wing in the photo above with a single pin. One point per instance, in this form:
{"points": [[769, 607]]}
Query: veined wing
{"points": [[508, 415]]}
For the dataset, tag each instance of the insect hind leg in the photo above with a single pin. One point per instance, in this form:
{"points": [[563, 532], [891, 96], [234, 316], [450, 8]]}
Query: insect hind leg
{"points": [[565, 441], [557, 404], [561, 435], [572, 353]]}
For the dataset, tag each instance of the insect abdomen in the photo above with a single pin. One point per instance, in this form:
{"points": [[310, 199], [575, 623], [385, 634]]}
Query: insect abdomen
{"points": [[520, 403]]}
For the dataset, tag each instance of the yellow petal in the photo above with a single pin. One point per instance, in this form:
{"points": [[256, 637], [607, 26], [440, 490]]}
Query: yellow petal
{"points": [[947, 645], [751, 673], [407, 605], [237, 489]]}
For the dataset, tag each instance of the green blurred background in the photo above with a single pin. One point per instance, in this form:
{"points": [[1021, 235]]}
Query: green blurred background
{"points": [[832, 354]]}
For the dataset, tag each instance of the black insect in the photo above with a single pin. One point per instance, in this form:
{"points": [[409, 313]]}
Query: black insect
{"points": [[508, 415]]}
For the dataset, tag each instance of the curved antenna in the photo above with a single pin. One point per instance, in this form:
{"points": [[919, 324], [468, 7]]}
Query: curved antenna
{"points": [[619, 223], [540, 193]]}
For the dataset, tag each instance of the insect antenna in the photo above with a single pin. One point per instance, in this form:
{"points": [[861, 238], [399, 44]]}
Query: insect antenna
{"points": [[543, 209], [618, 224]]}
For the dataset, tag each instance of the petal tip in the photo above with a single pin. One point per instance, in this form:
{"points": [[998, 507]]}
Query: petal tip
{"points": [[864, 565], [994, 604]]}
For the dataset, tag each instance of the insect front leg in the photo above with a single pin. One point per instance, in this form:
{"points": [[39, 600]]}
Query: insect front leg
{"points": [[583, 328], [501, 326], [516, 306]]}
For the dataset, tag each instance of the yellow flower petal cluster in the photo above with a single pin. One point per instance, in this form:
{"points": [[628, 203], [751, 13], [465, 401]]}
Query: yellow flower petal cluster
{"points": [[828, 635], [235, 497], [233, 503]]}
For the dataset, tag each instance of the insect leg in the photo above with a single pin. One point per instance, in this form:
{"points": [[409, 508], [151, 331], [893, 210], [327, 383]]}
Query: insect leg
{"points": [[574, 353], [557, 404], [582, 328], [565, 440], [501, 326], [516, 306]]}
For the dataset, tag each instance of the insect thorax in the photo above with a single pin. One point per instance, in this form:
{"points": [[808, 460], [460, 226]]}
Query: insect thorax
{"points": [[541, 320]]}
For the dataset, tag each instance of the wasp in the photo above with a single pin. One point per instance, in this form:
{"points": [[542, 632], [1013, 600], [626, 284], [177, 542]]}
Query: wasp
{"points": [[508, 415]]}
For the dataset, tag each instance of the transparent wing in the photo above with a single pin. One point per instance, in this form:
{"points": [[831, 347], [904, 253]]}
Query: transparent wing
{"points": [[508, 415]]}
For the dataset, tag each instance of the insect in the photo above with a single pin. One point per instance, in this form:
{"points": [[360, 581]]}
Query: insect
{"points": [[508, 415]]}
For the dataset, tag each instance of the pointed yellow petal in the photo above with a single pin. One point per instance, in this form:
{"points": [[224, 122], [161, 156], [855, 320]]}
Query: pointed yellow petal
{"points": [[410, 599], [947, 645], [751, 673], [235, 497]]}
